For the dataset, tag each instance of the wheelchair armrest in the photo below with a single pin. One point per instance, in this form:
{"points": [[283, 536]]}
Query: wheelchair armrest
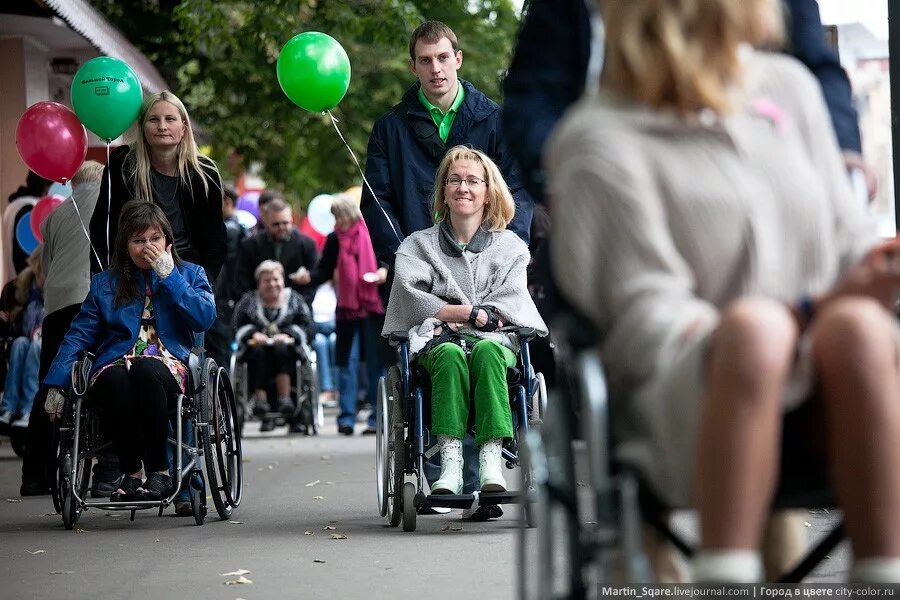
{"points": [[398, 337], [81, 372], [525, 334], [243, 333]]}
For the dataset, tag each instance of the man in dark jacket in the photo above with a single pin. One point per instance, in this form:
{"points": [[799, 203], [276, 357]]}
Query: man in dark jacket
{"points": [[283, 243], [408, 142], [218, 338]]}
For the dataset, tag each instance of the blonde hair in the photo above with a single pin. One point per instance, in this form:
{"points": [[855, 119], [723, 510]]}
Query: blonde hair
{"points": [[26, 277], [343, 206], [90, 171], [268, 266], [499, 207], [188, 156], [680, 54]]}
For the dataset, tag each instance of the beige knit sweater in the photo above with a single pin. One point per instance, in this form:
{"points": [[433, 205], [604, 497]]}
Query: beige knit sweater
{"points": [[661, 221]]}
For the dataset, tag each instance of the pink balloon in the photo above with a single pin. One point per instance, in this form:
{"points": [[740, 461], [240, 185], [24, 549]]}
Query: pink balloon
{"points": [[51, 140], [41, 211]]}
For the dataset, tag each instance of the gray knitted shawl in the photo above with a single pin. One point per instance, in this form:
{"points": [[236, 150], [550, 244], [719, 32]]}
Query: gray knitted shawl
{"points": [[430, 273]]}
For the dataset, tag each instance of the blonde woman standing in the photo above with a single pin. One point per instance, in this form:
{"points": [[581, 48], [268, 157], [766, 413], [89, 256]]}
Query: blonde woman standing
{"points": [[163, 166], [705, 225]]}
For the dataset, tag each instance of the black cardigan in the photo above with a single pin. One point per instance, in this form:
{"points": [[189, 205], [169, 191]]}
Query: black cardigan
{"points": [[202, 214]]}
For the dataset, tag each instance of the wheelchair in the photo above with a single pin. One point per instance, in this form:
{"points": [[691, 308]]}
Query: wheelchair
{"points": [[577, 476], [208, 407], [402, 436], [304, 382]]}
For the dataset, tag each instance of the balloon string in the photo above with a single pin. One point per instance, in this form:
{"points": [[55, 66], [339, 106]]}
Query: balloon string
{"points": [[108, 202], [366, 181], [84, 229]]}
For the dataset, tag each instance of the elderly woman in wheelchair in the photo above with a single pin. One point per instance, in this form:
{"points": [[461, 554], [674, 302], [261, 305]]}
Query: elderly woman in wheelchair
{"points": [[705, 225], [139, 319], [455, 286], [272, 326]]}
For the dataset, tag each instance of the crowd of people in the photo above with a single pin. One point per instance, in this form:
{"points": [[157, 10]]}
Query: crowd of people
{"points": [[701, 223]]}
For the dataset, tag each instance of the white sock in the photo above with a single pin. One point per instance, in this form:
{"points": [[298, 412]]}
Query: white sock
{"points": [[727, 566], [878, 569]]}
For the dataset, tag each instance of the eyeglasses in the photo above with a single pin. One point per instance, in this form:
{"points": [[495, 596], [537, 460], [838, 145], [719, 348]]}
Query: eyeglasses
{"points": [[155, 240], [472, 182]]}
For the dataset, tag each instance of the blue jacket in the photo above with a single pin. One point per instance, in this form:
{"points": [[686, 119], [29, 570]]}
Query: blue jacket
{"points": [[182, 305], [403, 157]]}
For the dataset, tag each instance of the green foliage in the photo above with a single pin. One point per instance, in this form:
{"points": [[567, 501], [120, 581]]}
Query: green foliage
{"points": [[223, 55]]}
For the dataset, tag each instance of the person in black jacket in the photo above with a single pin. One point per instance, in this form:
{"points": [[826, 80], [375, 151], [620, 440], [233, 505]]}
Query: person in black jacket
{"points": [[218, 338], [164, 167], [283, 243], [408, 142]]}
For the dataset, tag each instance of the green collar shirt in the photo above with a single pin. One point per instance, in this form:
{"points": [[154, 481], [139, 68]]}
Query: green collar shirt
{"points": [[442, 120]]}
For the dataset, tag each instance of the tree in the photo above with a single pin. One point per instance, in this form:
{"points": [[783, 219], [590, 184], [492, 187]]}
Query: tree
{"points": [[223, 55]]}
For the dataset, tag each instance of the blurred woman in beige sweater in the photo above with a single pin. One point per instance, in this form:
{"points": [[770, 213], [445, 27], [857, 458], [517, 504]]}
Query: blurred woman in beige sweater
{"points": [[706, 226]]}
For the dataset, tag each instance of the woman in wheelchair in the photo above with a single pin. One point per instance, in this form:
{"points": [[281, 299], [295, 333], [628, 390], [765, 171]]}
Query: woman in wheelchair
{"points": [[268, 320], [139, 319], [455, 285], [704, 223]]}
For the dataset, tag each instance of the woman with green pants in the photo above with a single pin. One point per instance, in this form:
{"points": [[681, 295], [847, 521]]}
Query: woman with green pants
{"points": [[455, 285]]}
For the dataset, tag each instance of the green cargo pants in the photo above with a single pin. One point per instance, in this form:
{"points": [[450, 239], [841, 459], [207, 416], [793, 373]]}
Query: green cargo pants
{"points": [[453, 375]]}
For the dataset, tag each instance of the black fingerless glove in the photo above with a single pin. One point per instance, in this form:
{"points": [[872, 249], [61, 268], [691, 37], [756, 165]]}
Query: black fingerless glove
{"points": [[493, 318]]}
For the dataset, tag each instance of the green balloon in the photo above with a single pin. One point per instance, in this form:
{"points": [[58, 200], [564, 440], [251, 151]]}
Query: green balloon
{"points": [[314, 71], [106, 96]]}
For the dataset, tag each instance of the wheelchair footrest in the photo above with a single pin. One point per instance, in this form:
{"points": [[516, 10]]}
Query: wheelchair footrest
{"points": [[450, 500], [500, 498]]}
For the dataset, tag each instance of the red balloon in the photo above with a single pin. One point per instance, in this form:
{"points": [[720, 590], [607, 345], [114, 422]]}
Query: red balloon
{"points": [[41, 211], [51, 140]]}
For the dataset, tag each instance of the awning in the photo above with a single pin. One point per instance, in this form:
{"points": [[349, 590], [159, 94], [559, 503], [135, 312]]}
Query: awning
{"points": [[87, 21]]}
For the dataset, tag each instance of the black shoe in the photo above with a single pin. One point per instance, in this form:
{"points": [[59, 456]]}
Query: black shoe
{"points": [[157, 487], [286, 407], [485, 512], [127, 490], [345, 429], [104, 489], [297, 427], [34, 488], [267, 425], [369, 431], [261, 408]]}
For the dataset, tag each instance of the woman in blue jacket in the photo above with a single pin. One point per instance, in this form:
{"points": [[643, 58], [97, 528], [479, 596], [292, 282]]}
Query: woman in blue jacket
{"points": [[139, 319]]}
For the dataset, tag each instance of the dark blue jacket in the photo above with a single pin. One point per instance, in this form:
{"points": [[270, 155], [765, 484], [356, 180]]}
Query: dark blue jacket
{"points": [[403, 157], [182, 305], [809, 46]]}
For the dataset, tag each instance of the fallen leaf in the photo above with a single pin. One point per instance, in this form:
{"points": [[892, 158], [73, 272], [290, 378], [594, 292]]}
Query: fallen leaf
{"points": [[307, 533], [807, 524], [157, 539], [329, 483], [269, 467], [338, 536], [245, 460], [445, 527], [50, 514], [13, 500], [239, 581], [36, 551], [62, 572], [236, 522], [318, 560], [325, 457], [80, 530], [312, 483], [209, 497], [329, 528], [318, 497], [259, 468], [237, 573], [591, 522], [456, 529]]}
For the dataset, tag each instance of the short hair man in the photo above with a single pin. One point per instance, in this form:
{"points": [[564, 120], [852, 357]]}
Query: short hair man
{"points": [[408, 142], [282, 242]]}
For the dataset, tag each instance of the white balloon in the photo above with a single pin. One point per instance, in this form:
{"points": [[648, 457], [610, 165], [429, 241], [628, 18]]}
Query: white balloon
{"points": [[245, 218], [319, 214]]}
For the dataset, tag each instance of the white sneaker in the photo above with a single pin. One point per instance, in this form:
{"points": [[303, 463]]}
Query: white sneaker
{"points": [[451, 479], [490, 466], [6, 417], [21, 422]]}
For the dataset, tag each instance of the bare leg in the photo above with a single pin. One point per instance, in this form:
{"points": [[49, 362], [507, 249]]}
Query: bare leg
{"points": [[856, 354], [740, 424]]}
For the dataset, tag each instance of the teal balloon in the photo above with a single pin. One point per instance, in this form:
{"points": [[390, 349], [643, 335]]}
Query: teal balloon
{"points": [[314, 71], [106, 96]]}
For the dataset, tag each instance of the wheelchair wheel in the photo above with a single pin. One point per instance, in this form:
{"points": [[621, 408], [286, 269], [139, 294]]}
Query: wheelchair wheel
{"points": [[382, 442], [69, 506], [198, 504], [222, 445], [409, 506], [318, 412], [539, 400], [396, 446]]}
